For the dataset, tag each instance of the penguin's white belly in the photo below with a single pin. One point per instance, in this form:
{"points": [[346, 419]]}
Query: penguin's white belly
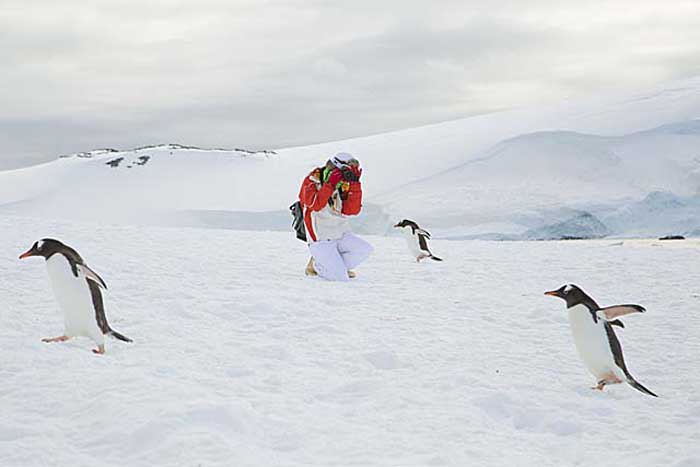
{"points": [[592, 343], [413, 245], [74, 298]]}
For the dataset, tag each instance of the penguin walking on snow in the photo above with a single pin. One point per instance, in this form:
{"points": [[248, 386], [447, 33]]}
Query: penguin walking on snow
{"points": [[77, 291], [417, 240], [595, 339]]}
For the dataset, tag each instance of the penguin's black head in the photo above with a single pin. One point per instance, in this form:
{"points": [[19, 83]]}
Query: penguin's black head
{"points": [[571, 294], [45, 247], [407, 223]]}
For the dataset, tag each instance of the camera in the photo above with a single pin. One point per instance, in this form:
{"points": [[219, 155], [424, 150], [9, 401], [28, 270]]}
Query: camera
{"points": [[348, 174]]}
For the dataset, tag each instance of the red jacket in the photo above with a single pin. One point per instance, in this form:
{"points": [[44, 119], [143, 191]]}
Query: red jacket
{"points": [[323, 207]]}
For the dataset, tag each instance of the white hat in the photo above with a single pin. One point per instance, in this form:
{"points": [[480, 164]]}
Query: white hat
{"points": [[342, 159]]}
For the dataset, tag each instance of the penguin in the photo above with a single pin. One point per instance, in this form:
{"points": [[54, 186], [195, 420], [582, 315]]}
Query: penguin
{"points": [[77, 291], [417, 240], [595, 339]]}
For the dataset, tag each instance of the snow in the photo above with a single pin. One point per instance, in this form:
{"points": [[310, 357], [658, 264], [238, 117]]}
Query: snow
{"points": [[501, 175], [581, 225], [659, 213], [525, 180], [239, 359]]}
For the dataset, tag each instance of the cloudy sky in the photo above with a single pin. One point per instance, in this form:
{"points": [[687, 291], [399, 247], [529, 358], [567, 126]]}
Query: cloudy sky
{"points": [[78, 75]]}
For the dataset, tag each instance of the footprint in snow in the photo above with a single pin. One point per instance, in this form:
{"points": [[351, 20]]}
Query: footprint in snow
{"points": [[383, 360]]}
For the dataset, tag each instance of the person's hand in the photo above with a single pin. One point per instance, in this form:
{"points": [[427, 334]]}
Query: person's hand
{"points": [[335, 177], [351, 173]]}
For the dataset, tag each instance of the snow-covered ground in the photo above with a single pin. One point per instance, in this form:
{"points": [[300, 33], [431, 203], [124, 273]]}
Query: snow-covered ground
{"points": [[239, 359]]}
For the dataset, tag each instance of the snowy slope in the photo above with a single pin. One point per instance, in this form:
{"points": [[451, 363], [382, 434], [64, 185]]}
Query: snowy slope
{"points": [[523, 181], [505, 173], [659, 213], [239, 359]]}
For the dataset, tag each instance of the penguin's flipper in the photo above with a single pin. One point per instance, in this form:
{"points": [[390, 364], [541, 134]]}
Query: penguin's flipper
{"points": [[100, 316], [435, 258], [611, 312], [617, 322], [92, 275], [423, 243], [422, 232]]}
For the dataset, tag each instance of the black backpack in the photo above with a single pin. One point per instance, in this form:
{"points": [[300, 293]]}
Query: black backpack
{"points": [[298, 221]]}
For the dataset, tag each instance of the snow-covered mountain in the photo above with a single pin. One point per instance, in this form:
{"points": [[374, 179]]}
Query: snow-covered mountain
{"points": [[515, 174], [526, 182]]}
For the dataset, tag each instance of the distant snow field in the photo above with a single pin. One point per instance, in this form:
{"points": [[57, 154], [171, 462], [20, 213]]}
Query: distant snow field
{"points": [[617, 167], [239, 359]]}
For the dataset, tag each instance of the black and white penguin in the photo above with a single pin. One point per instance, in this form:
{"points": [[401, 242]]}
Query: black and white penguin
{"points": [[416, 239], [77, 291], [595, 338]]}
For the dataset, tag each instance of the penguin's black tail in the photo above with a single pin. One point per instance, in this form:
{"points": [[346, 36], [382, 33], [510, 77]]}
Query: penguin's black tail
{"points": [[119, 336], [638, 386], [435, 258]]}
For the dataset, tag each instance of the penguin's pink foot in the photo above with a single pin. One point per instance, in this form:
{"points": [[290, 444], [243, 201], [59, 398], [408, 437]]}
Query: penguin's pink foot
{"points": [[610, 379], [55, 339], [99, 350]]}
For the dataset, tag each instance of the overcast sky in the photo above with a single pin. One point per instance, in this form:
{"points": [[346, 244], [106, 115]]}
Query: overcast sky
{"points": [[78, 75]]}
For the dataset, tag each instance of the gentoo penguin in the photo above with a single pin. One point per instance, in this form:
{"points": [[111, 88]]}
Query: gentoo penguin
{"points": [[595, 338], [417, 240], [77, 291]]}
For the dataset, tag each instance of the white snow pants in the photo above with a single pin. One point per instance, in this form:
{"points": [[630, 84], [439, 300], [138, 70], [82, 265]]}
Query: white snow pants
{"points": [[333, 258]]}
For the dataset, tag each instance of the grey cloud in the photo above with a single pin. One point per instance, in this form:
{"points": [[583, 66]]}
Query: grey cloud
{"points": [[287, 72]]}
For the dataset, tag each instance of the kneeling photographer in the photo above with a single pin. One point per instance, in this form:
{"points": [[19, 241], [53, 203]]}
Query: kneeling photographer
{"points": [[328, 196]]}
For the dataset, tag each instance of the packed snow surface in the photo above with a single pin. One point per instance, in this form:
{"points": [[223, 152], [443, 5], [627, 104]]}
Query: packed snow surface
{"points": [[239, 359]]}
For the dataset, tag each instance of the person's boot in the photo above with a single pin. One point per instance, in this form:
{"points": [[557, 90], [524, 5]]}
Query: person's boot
{"points": [[310, 271]]}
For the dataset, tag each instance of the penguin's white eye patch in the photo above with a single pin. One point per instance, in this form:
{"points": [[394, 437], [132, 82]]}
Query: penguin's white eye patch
{"points": [[567, 289], [40, 245]]}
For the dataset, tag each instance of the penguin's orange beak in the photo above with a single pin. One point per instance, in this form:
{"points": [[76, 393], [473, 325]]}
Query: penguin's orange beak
{"points": [[552, 293], [26, 254]]}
